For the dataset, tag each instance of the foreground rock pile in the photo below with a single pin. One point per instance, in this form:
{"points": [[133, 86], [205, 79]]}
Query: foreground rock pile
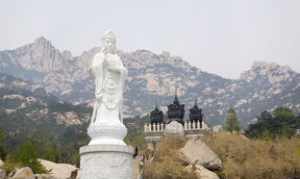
{"points": [[201, 159], [180, 157], [55, 171]]}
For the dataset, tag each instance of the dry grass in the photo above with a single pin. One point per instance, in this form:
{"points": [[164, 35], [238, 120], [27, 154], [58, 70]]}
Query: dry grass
{"points": [[165, 163], [256, 159]]}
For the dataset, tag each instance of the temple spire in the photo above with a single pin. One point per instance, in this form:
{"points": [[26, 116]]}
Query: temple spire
{"points": [[176, 101]]}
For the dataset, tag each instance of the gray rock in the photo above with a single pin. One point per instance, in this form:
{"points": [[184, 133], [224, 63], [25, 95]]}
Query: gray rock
{"points": [[2, 174], [196, 151], [217, 128], [201, 172], [24, 173], [174, 128], [1, 163], [58, 170], [45, 176]]}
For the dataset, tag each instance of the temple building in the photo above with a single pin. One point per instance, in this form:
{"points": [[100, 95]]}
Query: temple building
{"points": [[176, 111], [175, 120], [156, 116], [196, 115]]}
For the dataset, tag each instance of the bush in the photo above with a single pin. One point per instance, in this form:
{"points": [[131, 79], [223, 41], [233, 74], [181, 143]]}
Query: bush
{"points": [[232, 123], [259, 159], [27, 157], [2, 150], [281, 123], [11, 163]]}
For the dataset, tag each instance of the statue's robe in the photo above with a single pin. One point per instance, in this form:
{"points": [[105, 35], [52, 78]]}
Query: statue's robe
{"points": [[109, 75]]}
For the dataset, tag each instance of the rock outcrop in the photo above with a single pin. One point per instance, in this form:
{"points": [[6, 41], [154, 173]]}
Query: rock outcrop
{"points": [[46, 176], [201, 172], [23, 173], [58, 170], [197, 152], [1, 163], [2, 173], [155, 76]]}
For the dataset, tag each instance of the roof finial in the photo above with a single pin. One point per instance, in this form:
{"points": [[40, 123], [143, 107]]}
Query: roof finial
{"points": [[156, 104], [196, 102], [176, 101]]}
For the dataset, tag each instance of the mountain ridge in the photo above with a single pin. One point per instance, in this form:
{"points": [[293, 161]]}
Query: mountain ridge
{"points": [[153, 79]]}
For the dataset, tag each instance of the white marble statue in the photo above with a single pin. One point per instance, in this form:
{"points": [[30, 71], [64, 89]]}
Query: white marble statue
{"points": [[106, 126]]}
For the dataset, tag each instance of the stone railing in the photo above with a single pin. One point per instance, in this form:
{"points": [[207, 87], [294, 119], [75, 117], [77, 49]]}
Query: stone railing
{"points": [[155, 127], [160, 127]]}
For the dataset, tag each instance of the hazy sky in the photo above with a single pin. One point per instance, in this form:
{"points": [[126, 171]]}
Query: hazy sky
{"points": [[218, 36]]}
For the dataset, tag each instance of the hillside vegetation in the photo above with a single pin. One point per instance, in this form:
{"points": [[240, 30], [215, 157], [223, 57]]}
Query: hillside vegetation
{"points": [[245, 158], [165, 163]]}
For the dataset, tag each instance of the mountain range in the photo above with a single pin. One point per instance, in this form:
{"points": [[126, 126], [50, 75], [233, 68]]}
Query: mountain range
{"points": [[152, 80]]}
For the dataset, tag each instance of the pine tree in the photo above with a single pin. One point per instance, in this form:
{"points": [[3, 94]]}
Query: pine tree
{"points": [[27, 155], [2, 150], [232, 122]]}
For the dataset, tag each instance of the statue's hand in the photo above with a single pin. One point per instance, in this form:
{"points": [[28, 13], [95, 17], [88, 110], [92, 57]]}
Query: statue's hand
{"points": [[99, 98]]}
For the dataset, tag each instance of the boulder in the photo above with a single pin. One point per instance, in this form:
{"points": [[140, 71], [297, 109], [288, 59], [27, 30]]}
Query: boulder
{"points": [[196, 151], [78, 174], [174, 128], [201, 172], [23, 173], [2, 174], [138, 167], [217, 128], [1, 163], [59, 170], [45, 176]]}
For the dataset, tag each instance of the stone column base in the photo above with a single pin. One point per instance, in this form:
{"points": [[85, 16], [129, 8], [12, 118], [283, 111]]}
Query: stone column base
{"points": [[106, 162]]}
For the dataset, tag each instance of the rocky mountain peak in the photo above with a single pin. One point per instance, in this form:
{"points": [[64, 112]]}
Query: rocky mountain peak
{"points": [[155, 76], [41, 40], [272, 71], [41, 43], [269, 67]]}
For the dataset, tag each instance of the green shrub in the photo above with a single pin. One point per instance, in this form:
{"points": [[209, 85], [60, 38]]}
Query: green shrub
{"points": [[11, 163], [27, 156], [282, 122], [2, 148]]}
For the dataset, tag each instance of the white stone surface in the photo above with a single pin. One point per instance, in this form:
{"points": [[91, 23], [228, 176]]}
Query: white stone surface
{"points": [[217, 128], [106, 123], [106, 162], [174, 128], [2, 173], [1, 163], [46, 176], [107, 156], [201, 172], [58, 170], [196, 151], [25, 172]]}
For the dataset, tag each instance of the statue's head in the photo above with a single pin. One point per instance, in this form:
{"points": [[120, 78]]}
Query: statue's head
{"points": [[109, 42]]}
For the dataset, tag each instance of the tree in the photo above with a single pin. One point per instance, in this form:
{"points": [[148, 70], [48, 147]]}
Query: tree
{"points": [[232, 123], [281, 123], [27, 155], [2, 150], [283, 113]]}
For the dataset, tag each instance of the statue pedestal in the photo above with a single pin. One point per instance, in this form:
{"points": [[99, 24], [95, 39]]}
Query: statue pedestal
{"points": [[106, 162]]}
